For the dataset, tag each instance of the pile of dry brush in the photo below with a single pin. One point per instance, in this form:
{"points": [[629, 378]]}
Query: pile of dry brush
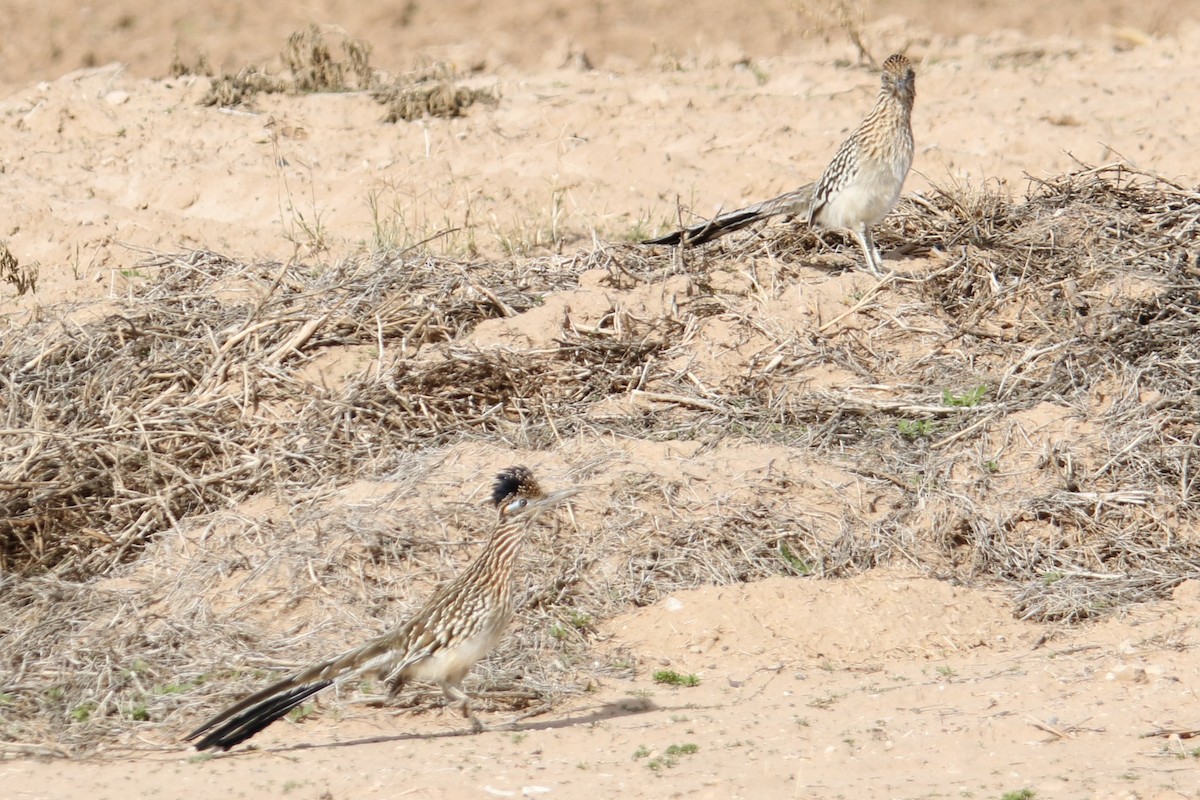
{"points": [[191, 395]]}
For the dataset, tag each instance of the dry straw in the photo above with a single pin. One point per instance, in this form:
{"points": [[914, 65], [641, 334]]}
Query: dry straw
{"points": [[128, 440]]}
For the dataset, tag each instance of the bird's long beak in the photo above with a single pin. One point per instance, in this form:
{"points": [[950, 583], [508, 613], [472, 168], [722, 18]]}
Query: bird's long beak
{"points": [[550, 500]]}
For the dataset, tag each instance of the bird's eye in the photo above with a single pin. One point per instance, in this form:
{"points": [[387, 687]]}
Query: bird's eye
{"points": [[517, 505]]}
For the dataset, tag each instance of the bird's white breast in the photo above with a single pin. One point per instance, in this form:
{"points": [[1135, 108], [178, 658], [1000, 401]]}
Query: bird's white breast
{"points": [[455, 659], [866, 199]]}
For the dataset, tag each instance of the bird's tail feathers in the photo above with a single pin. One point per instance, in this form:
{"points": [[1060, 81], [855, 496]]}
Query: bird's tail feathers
{"points": [[795, 203], [241, 721]]}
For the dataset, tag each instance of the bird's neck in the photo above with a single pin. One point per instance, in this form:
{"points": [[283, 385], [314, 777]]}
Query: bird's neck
{"points": [[501, 549], [895, 99], [890, 105]]}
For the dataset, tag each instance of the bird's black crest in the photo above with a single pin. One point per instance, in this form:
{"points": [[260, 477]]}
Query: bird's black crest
{"points": [[511, 481]]}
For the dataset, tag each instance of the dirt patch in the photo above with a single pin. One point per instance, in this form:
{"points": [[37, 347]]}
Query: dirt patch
{"points": [[931, 535]]}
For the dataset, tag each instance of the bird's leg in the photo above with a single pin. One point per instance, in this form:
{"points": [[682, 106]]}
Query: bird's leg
{"points": [[455, 694], [870, 238], [394, 684], [867, 242]]}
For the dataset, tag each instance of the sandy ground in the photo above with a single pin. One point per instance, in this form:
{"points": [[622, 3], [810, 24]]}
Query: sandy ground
{"points": [[885, 686], [882, 686]]}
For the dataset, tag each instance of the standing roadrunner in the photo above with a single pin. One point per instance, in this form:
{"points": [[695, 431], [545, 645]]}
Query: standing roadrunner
{"points": [[458, 626], [859, 187]]}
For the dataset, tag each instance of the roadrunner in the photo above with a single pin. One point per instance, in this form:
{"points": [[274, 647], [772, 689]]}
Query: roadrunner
{"points": [[458, 626], [859, 187]]}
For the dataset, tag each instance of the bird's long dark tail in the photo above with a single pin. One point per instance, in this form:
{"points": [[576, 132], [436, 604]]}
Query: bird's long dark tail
{"points": [[244, 719], [706, 232], [241, 721], [796, 203]]}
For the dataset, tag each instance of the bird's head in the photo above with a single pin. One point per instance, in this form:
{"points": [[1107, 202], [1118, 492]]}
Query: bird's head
{"points": [[898, 79], [517, 494]]}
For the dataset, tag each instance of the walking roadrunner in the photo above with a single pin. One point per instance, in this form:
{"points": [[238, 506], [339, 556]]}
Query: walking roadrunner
{"points": [[458, 626]]}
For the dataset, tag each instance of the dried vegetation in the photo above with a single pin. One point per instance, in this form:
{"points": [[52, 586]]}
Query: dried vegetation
{"points": [[310, 66], [1020, 408]]}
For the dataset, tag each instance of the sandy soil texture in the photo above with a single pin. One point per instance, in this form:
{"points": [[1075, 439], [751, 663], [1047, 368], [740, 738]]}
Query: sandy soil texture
{"points": [[896, 682]]}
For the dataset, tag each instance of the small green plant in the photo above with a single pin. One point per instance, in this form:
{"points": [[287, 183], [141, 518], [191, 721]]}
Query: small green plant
{"points": [[638, 231], [301, 712], [794, 562], [1020, 794], [641, 752], [824, 702], [622, 664], [576, 623], [139, 713], [672, 678], [137, 667], [175, 688], [946, 671], [968, 399], [915, 429], [1052, 577], [992, 466], [670, 756], [83, 712]]}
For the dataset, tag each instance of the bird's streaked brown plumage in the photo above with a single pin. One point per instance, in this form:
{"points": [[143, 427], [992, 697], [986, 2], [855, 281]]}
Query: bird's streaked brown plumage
{"points": [[859, 187], [457, 626]]}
